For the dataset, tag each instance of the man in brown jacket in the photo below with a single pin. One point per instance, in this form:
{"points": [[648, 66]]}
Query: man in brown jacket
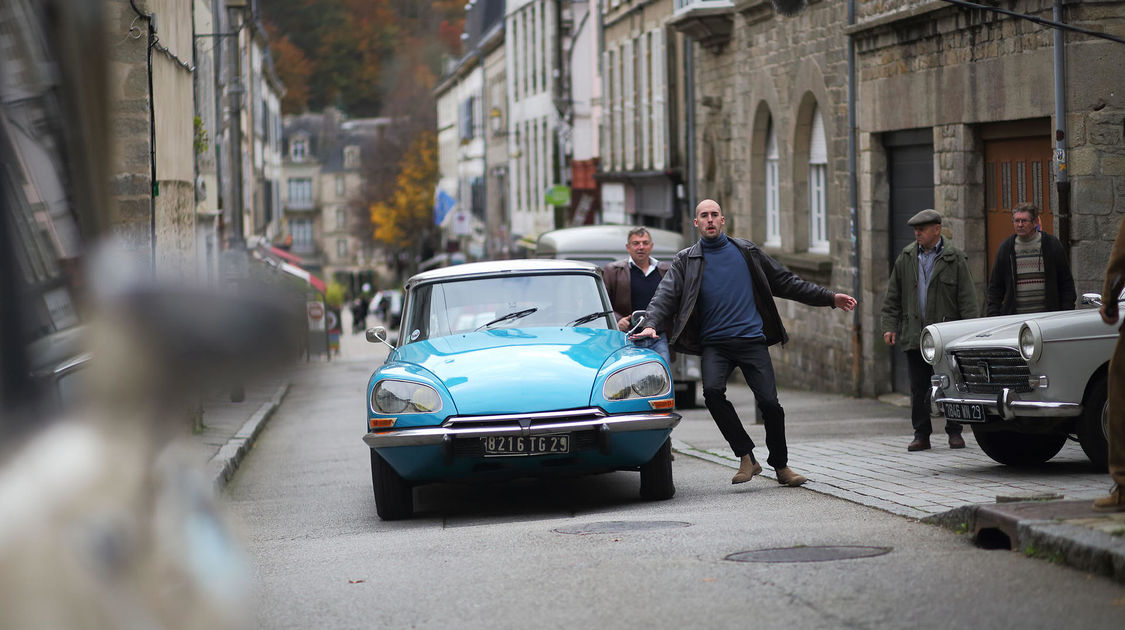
{"points": [[631, 283], [1115, 386]]}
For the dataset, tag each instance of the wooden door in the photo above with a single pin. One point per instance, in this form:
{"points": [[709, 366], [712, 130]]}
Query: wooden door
{"points": [[1015, 170]]}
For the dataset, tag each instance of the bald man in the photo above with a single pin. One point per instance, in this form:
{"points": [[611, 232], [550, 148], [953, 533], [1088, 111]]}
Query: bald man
{"points": [[717, 300]]}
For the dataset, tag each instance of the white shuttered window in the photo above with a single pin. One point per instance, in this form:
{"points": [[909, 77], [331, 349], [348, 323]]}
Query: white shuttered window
{"points": [[628, 66], [773, 199], [658, 100], [818, 190]]}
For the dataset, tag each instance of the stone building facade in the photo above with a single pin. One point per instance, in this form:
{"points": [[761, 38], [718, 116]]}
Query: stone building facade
{"points": [[770, 131], [955, 110]]}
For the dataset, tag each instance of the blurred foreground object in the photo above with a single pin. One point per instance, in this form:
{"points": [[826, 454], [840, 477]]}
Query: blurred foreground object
{"points": [[106, 522]]}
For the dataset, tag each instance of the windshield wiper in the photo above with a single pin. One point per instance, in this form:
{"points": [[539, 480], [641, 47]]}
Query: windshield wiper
{"points": [[589, 318], [510, 316]]}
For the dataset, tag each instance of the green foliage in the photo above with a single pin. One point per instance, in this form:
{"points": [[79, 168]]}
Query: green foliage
{"points": [[334, 294], [336, 52], [202, 140]]}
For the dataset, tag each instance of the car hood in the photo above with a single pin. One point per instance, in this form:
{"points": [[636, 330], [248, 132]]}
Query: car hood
{"points": [[516, 370], [991, 332]]}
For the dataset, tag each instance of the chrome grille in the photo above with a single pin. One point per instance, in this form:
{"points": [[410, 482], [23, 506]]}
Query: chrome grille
{"points": [[989, 371], [525, 420]]}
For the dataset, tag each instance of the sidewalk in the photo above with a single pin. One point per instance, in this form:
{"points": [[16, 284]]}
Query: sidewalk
{"points": [[852, 449]]}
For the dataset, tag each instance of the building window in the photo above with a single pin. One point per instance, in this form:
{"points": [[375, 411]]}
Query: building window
{"points": [[341, 219], [342, 248], [466, 119], [300, 190], [299, 149], [341, 188], [818, 189], [773, 199], [351, 157], [302, 232]]}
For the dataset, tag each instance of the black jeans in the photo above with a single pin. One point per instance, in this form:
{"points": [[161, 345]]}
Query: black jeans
{"points": [[920, 373], [753, 358]]}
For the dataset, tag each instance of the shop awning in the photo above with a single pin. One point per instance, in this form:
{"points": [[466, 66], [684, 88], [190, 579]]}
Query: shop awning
{"points": [[297, 272]]}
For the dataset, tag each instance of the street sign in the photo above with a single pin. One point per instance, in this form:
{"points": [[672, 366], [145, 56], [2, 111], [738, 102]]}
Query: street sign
{"points": [[558, 195], [315, 311]]}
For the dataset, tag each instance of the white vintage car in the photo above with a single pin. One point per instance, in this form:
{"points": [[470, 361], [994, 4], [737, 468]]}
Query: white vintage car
{"points": [[1025, 383]]}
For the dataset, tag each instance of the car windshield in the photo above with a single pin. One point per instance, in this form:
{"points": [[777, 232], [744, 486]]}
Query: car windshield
{"points": [[458, 306]]}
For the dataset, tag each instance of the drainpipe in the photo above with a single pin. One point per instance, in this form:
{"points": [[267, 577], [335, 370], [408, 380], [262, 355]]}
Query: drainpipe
{"points": [[853, 211], [1062, 181], [154, 188], [689, 114]]}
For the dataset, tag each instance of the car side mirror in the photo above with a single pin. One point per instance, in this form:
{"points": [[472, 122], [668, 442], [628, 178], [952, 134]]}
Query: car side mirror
{"points": [[378, 334], [636, 322], [1092, 298]]}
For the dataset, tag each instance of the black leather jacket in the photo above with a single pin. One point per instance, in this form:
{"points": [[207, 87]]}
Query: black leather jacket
{"points": [[672, 309]]}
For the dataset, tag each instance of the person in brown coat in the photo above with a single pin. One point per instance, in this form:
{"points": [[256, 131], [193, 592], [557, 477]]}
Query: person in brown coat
{"points": [[631, 283], [1115, 385]]}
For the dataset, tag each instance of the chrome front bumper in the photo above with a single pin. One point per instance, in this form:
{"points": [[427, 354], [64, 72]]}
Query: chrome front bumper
{"points": [[522, 425], [1006, 405]]}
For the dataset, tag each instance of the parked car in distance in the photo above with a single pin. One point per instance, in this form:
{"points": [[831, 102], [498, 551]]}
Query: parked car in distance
{"points": [[1025, 383], [603, 244], [512, 369]]}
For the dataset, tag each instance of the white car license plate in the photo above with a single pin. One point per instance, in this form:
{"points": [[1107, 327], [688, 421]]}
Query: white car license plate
{"points": [[964, 412], [520, 445]]}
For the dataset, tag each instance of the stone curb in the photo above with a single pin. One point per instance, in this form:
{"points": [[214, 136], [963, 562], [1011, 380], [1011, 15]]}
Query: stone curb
{"points": [[221, 467], [1079, 547]]}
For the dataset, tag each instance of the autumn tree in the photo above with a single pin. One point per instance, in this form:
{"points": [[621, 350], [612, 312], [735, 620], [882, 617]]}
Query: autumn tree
{"points": [[405, 222]]}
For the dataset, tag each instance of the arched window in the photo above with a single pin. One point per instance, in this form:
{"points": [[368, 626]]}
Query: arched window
{"points": [[818, 187], [773, 205]]}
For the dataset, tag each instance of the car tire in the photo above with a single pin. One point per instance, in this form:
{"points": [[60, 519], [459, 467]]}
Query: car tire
{"points": [[1092, 426], [656, 475], [1019, 449], [394, 497], [685, 398]]}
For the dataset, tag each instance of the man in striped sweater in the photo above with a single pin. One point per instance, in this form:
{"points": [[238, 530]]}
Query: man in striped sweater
{"points": [[1031, 273]]}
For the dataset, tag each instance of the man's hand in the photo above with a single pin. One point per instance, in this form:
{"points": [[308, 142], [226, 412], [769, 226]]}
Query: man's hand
{"points": [[889, 338], [623, 324], [647, 332], [1107, 317], [844, 301]]}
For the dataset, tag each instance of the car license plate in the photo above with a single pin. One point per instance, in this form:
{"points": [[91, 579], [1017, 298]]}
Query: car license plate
{"points": [[521, 445], [964, 412]]}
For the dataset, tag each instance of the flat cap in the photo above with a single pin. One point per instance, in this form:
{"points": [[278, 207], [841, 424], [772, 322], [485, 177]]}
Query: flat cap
{"points": [[925, 217]]}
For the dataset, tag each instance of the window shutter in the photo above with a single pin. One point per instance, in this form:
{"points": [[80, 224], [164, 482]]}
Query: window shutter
{"points": [[659, 101], [628, 67], [818, 149], [644, 119]]}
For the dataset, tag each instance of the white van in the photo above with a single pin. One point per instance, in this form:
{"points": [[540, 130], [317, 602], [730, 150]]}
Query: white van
{"points": [[603, 244]]}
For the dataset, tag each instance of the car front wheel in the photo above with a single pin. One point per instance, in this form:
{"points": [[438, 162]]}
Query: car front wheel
{"points": [[656, 475], [394, 497], [1093, 425], [1019, 449]]}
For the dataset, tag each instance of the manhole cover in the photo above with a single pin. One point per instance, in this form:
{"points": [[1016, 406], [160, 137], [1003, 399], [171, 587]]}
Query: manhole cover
{"points": [[808, 554], [616, 527]]}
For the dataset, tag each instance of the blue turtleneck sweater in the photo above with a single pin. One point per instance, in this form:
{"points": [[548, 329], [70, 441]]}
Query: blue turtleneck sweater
{"points": [[726, 299]]}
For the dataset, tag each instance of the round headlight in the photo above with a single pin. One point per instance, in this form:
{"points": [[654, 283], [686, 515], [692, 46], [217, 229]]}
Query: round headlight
{"points": [[391, 396], [639, 381], [930, 345], [1030, 341]]}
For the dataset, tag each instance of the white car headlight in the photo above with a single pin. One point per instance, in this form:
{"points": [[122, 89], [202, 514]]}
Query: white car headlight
{"points": [[930, 345], [1031, 341], [391, 396], [638, 381]]}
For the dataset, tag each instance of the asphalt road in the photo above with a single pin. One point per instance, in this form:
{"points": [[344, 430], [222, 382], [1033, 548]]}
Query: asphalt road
{"points": [[503, 556]]}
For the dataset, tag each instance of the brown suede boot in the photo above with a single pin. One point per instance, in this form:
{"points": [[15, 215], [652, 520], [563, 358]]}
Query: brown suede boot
{"points": [[1115, 502], [786, 477], [747, 468]]}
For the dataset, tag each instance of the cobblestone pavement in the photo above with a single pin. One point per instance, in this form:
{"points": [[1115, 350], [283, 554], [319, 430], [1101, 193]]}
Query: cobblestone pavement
{"points": [[878, 472]]}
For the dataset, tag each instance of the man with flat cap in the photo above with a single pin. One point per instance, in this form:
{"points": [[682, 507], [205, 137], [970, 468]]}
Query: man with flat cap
{"points": [[930, 283]]}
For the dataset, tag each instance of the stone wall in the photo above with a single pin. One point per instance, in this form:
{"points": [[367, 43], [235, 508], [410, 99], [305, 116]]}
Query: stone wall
{"points": [[778, 67]]}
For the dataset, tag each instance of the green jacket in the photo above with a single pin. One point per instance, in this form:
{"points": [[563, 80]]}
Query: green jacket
{"points": [[950, 296]]}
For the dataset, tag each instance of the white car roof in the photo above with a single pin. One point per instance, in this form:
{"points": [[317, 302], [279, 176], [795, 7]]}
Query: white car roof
{"points": [[501, 267]]}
